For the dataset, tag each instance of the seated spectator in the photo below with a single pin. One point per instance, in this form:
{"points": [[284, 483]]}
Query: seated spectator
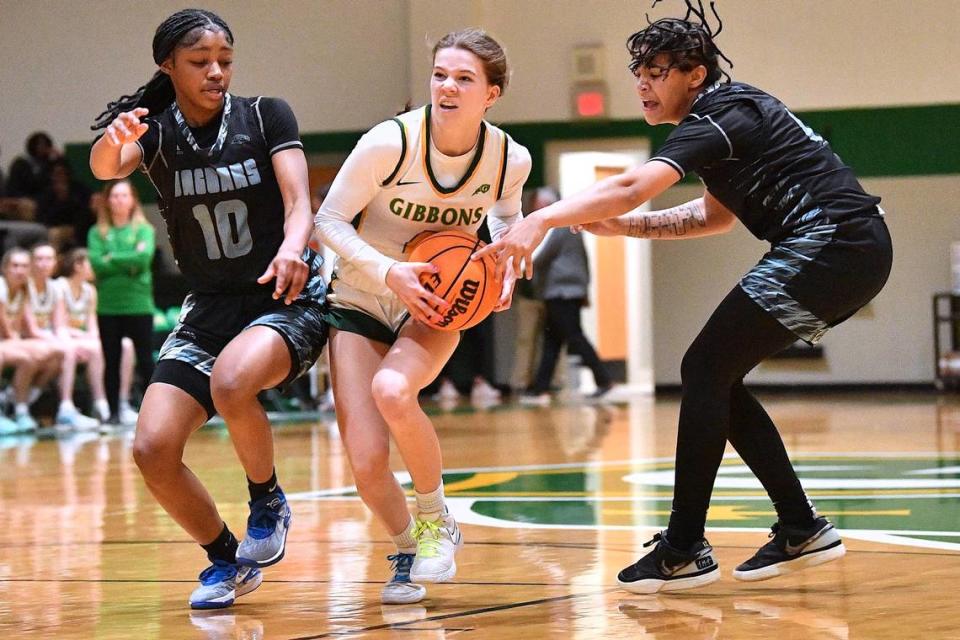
{"points": [[121, 247], [50, 325], [64, 208], [16, 214], [30, 174], [36, 362], [80, 300]]}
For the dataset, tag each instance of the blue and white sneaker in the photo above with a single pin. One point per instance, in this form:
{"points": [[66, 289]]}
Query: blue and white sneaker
{"points": [[8, 426], [267, 529], [400, 589], [73, 419], [26, 422], [221, 583]]}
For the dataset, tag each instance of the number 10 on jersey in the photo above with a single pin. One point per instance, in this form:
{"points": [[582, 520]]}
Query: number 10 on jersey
{"points": [[225, 227]]}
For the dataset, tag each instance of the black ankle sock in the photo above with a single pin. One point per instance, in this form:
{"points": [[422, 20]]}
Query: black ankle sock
{"points": [[223, 548], [261, 489]]}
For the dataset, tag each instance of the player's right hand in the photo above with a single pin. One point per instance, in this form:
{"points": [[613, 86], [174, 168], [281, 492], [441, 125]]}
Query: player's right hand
{"points": [[127, 127], [403, 278]]}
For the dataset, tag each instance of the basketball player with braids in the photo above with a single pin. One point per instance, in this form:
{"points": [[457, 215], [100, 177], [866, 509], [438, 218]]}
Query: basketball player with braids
{"points": [[439, 167], [830, 254], [232, 180]]}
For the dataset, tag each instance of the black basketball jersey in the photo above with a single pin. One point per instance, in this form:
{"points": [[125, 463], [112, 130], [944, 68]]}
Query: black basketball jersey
{"points": [[221, 202], [763, 163]]}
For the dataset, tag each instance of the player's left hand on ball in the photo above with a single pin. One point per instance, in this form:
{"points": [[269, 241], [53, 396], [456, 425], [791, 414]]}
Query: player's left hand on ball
{"points": [[290, 272], [404, 279]]}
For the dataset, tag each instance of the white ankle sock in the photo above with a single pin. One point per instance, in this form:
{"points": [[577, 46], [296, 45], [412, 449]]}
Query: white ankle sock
{"points": [[103, 409], [404, 540], [431, 504]]}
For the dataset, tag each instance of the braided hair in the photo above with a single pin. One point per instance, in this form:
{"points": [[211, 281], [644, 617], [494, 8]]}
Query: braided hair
{"points": [[182, 29], [688, 42]]}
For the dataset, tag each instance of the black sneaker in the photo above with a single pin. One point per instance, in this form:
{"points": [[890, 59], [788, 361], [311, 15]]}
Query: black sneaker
{"points": [[793, 549], [669, 569]]}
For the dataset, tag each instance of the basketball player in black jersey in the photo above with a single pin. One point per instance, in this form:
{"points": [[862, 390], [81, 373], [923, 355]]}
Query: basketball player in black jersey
{"points": [[232, 183], [830, 254]]}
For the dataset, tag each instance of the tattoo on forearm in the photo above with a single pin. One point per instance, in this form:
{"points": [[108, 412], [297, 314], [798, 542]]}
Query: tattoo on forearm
{"points": [[674, 222]]}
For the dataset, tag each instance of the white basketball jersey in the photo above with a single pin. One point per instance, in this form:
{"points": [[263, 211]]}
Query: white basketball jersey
{"points": [[13, 307], [411, 202], [78, 309], [43, 304]]}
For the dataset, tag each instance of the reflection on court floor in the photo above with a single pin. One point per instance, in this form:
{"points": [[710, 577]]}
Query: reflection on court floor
{"points": [[553, 501]]}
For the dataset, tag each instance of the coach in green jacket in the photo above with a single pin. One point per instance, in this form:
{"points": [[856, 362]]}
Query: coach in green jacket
{"points": [[121, 248]]}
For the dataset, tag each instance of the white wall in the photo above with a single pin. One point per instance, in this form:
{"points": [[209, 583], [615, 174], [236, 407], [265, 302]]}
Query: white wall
{"points": [[812, 54], [345, 64], [340, 63]]}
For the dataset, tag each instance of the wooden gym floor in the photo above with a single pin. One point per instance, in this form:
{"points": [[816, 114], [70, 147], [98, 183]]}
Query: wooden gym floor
{"points": [[553, 502]]}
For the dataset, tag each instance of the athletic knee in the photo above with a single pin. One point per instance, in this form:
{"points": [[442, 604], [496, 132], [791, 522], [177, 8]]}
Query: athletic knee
{"points": [[155, 456], [701, 369], [230, 387], [393, 394]]}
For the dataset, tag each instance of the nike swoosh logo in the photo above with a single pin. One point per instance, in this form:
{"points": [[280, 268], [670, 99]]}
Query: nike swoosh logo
{"points": [[668, 570], [794, 550], [403, 184]]}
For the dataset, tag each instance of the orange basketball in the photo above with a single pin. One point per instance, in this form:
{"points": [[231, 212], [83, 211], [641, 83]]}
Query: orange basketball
{"points": [[469, 286]]}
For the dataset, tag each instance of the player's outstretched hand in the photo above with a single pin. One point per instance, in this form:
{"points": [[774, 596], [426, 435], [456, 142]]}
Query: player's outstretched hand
{"points": [[516, 246], [127, 127], [403, 278], [290, 272]]}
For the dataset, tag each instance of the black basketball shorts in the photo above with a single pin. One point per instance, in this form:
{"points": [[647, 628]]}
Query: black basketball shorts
{"points": [[208, 322], [821, 275]]}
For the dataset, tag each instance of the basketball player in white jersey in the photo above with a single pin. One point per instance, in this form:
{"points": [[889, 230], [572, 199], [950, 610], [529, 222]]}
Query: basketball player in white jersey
{"points": [[46, 302], [440, 167], [36, 361], [80, 304]]}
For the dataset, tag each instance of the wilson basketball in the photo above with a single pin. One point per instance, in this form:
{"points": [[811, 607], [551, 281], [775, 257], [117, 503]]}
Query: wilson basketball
{"points": [[469, 286]]}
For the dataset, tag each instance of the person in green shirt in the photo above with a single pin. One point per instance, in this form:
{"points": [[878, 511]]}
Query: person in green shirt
{"points": [[121, 247]]}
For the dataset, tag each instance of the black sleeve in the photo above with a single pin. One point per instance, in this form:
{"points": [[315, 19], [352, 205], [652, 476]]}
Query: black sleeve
{"points": [[149, 142], [727, 132], [279, 125]]}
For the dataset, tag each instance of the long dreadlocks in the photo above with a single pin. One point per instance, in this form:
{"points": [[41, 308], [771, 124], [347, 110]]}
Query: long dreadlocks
{"points": [[688, 42], [182, 29]]}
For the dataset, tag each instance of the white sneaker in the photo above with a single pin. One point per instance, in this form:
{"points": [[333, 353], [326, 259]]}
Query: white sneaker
{"points": [[25, 421], [400, 590], [102, 409], [535, 399], [222, 583], [437, 543], [446, 392], [483, 392], [72, 418], [128, 417]]}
